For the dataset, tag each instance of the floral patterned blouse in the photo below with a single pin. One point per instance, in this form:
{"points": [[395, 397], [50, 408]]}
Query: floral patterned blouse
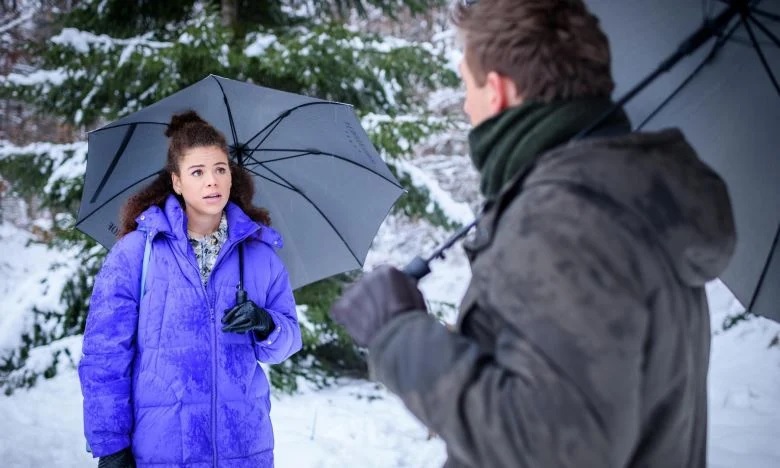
{"points": [[207, 248]]}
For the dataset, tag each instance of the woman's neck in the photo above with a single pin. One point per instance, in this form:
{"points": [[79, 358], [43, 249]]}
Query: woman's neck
{"points": [[204, 225]]}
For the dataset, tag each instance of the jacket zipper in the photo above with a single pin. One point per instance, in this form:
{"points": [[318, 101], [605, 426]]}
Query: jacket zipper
{"points": [[213, 387], [212, 317], [213, 360]]}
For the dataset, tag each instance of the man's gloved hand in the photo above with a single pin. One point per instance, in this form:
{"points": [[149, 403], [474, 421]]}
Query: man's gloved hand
{"points": [[248, 316], [374, 300], [121, 459]]}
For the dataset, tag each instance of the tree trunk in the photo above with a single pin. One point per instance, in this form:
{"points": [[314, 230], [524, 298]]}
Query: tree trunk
{"points": [[229, 13]]}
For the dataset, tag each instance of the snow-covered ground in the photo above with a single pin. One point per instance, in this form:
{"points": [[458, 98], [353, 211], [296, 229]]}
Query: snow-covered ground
{"points": [[358, 423], [744, 388], [355, 424]]}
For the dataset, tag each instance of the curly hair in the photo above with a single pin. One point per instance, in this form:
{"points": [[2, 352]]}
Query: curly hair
{"points": [[550, 49], [188, 130]]}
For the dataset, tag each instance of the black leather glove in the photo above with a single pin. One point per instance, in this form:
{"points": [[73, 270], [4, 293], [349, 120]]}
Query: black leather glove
{"points": [[248, 316], [374, 300], [121, 459]]}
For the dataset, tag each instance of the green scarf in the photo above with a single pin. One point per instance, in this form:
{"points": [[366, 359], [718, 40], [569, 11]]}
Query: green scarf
{"points": [[505, 144]]}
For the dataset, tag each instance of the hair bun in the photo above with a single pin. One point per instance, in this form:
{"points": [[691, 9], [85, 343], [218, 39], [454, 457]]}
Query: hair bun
{"points": [[179, 121]]}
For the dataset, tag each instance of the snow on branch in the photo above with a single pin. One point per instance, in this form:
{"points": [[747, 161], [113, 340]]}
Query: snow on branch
{"points": [[457, 212], [16, 22]]}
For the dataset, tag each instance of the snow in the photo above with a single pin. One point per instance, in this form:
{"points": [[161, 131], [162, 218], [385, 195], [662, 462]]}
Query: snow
{"points": [[68, 160], [447, 39], [457, 212], [31, 277], [55, 77], [258, 44], [16, 21], [82, 41], [354, 424], [744, 386]]}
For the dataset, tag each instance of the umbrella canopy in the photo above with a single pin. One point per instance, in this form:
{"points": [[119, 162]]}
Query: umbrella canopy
{"points": [[315, 169], [725, 97]]}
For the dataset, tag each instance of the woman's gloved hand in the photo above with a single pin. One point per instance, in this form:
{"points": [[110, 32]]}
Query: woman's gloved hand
{"points": [[248, 316], [121, 459]]}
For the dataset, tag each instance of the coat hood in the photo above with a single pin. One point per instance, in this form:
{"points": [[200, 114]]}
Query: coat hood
{"points": [[172, 222], [681, 202]]}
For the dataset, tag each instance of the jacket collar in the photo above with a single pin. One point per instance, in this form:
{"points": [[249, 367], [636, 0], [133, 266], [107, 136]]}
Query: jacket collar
{"points": [[171, 221]]}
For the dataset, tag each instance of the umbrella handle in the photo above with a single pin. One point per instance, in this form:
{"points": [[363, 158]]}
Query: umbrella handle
{"points": [[240, 291], [419, 267], [240, 296]]}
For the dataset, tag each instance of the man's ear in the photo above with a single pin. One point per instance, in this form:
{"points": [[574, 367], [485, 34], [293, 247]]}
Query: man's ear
{"points": [[503, 92]]}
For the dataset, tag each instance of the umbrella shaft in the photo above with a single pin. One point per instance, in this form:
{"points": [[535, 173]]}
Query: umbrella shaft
{"points": [[439, 252], [707, 30]]}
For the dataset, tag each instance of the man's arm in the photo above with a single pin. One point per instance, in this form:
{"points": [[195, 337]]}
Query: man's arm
{"points": [[561, 385]]}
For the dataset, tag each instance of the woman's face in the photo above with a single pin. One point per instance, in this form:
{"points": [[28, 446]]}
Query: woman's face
{"points": [[203, 181]]}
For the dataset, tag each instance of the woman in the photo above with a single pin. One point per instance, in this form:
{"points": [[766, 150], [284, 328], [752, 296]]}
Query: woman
{"points": [[170, 372]]}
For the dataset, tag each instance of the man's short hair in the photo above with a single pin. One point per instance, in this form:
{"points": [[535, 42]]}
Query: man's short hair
{"points": [[550, 49]]}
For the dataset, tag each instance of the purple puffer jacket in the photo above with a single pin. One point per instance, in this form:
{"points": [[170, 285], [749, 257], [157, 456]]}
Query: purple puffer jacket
{"points": [[167, 380]]}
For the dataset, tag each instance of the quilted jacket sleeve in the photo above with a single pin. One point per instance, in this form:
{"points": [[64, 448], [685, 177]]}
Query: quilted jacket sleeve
{"points": [[285, 340], [109, 346]]}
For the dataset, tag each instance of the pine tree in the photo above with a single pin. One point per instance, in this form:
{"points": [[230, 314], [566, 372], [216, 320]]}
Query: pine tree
{"points": [[113, 57]]}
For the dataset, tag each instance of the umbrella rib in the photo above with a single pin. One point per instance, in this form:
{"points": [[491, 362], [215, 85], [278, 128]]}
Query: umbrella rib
{"points": [[766, 14], [119, 152], [760, 53], [301, 153], [275, 123], [314, 205], [230, 119], [315, 152], [747, 42], [691, 44], [765, 30], [289, 186], [713, 51], [116, 195], [110, 127], [772, 251]]}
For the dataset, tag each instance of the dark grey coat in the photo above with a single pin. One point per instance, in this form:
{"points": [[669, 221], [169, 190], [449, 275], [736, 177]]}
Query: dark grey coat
{"points": [[583, 339]]}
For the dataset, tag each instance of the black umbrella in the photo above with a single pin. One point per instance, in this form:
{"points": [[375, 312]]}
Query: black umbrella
{"points": [[711, 68], [315, 169], [724, 93]]}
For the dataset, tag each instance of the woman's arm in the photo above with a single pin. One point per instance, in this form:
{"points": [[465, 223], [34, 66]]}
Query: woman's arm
{"points": [[105, 369], [285, 340]]}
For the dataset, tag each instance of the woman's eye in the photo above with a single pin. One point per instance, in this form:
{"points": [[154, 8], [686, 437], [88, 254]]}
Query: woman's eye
{"points": [[221, 170], [197, 173]]}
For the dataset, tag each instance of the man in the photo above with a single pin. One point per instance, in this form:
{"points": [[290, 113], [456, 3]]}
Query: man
{"points": [[583, 338]]}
